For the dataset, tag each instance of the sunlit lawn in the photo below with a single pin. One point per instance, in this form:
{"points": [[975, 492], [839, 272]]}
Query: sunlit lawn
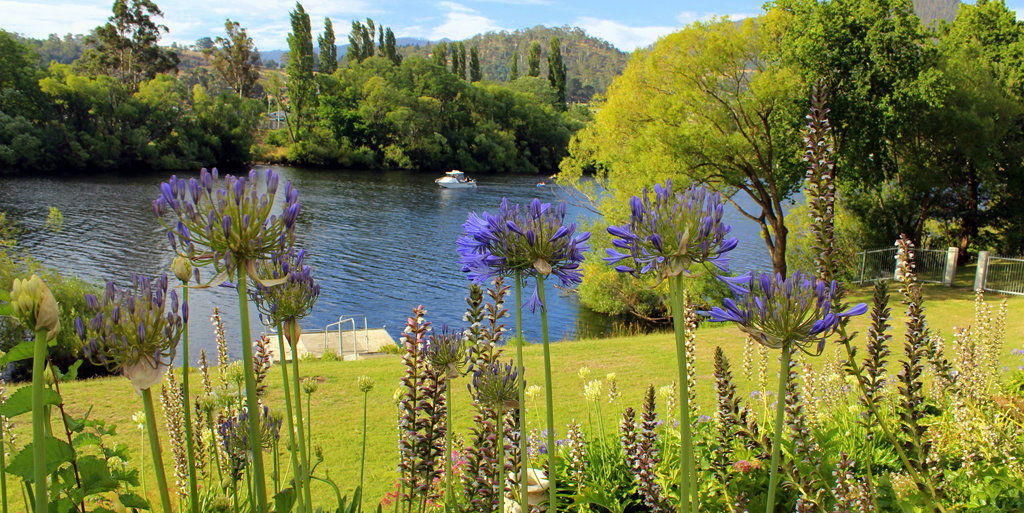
{"points": [[638, 361]]}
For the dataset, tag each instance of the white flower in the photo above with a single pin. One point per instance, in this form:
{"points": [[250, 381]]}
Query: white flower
{"points": [[143, 374]]}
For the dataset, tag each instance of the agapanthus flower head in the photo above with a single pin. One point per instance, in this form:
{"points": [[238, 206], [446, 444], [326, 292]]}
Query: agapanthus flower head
{"points": [[776, 311], [287, 290], [497, 385], [34, 305], [672, 232], [133, 330], [234, 436], [447, 352], [227, 221], [529, 239]]}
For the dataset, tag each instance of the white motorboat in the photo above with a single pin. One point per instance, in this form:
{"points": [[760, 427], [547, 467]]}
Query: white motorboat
{"points": [[455, 179]]}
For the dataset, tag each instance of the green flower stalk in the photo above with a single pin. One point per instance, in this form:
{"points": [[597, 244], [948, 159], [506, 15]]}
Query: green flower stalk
{"points": [[365, 384], [135, 331], [182, 268], [446, 353], [229, 223], [670, 235], [34, 305]]}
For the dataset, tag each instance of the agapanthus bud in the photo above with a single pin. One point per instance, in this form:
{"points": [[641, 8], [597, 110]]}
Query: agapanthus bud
{"points": [[182, 268], [365, 384], [35, 306]]}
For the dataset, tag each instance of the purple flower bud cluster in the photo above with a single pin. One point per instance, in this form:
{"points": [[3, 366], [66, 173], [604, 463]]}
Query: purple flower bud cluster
{"points": [[288, 301], [446, 352], [227, 221], [532, 240], [776, 311], [234, 437], [127, 326], [496, 385], [672, 233]]}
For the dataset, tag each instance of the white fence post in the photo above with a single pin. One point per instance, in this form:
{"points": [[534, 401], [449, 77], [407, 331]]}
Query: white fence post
{"points": [[950, 274], [981, 275]]}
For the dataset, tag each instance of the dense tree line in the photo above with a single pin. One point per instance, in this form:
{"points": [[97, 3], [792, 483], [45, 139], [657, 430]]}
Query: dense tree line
{"points": [[122, 106]]}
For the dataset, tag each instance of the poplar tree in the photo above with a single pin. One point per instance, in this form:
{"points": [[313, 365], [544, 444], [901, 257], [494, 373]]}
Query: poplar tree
{"points": [[328, 50], [391, 47], [440, 54], [556, 71], [513, 67], [533, 60], [300, 72], [474, 65]]}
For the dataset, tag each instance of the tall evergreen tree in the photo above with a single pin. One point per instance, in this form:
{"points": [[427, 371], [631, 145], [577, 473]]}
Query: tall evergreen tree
{"points": [[462, 61], [439, 54], [300, 72], [328, 48], [391, 47], [455, 58], [513, 67], [355, 42], [474, 65], [556, 70], [533, 60], [369, 36], [126, 47], [235, 59]]}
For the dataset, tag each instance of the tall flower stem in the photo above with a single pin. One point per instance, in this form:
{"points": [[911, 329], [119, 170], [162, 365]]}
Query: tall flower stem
{"points": [[293, 445], [3, 465], [193, 488], [251, 401], [301, 430], [362, 458], [780, 417], [39, 420], [449, 490], [688, 475], [549, 396], [524, 504], [154, 450], [499, 412]]}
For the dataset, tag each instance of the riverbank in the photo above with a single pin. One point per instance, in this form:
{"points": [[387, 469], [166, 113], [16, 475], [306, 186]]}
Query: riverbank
{"points": [[638, 361]]}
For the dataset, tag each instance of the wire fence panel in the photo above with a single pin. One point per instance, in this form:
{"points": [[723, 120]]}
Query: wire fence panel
{"points": [[880, 264], [1005, 275]]}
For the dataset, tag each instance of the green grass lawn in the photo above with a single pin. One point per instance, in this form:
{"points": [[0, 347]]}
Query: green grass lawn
{"points": [[637, 360]]}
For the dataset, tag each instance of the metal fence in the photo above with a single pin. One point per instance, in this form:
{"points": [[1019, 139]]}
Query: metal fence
{"points": [[880, 264], [1000, 274]]}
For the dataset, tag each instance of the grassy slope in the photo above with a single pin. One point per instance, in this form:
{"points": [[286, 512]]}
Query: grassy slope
{"points": [[638, 361]]}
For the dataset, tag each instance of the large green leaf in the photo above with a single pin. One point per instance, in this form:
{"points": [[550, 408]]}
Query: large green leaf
{"points": [[19, 352], [57, 453], [95, 475], [21, 401], [132, 501]]}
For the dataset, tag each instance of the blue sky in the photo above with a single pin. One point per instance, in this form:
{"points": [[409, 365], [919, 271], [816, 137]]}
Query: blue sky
{"points": [[626, 24]]}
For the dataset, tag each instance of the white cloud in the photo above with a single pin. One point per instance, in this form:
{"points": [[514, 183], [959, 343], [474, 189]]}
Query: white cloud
{"points": [[459, 22], [39, 19], [624, 37]]}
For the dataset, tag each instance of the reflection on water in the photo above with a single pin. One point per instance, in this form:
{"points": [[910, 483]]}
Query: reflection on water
{"points": [[380, 243]]}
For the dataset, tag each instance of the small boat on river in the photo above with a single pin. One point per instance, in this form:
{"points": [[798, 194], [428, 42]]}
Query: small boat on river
{"points": [[455, 179]]}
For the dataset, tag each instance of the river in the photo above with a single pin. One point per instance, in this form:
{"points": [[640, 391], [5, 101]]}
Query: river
{"points": [[380, 243]]}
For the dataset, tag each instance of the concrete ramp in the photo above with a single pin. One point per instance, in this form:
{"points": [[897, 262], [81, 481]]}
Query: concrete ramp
{"points": [[346, 344]]}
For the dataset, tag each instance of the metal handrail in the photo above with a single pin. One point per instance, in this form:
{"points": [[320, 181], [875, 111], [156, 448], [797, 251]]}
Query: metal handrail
{"points": [[346, 319]]}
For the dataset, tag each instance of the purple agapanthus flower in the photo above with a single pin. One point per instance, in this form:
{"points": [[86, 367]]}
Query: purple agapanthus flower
{"points": [[291, 299], [777, 311], [672, 232], [532, 239], [227, 221]]}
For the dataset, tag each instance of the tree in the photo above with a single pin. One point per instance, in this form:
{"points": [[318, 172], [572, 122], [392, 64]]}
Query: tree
{"points": [[439, 54], [204, 43], [126, 47], [556, 71], [236, 61], [391, 47], [513, 67], [300, 72], [707, 104], [456, 59], [533, 60], [328, 49], [474, 65]]}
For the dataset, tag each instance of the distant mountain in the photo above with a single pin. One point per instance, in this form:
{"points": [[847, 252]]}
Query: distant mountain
{"points": [[593, 62], [931, 11]]}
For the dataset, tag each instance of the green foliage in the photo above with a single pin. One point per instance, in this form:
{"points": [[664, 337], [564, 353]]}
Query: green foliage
{"points": [[850, 237], [126, 46], [474, 65], [235, 60], [301, 86], [533, 60], [556, 71], [418, 115], [328, 48]]}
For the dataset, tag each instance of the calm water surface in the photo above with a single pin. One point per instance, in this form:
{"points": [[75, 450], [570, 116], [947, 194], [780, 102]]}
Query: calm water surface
{"points": [[380, 243]]}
